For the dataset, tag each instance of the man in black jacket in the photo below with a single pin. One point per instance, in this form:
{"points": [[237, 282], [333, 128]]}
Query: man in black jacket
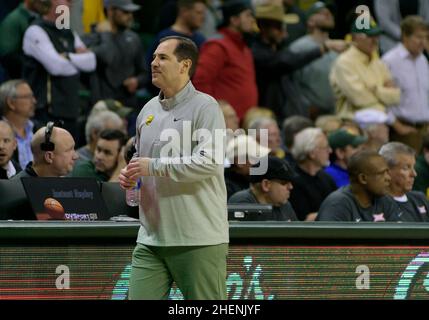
{"points": [[274, 64]]}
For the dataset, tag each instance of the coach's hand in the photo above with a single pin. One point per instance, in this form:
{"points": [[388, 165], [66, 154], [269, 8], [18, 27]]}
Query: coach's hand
{"points": [[124, 181], [138, 167]]}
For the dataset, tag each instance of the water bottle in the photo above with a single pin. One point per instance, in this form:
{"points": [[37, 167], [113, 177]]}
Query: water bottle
{"points": [[133, 195]]}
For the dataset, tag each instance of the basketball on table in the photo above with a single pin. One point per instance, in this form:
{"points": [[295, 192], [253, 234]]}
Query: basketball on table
{"points": [[54, 209]]}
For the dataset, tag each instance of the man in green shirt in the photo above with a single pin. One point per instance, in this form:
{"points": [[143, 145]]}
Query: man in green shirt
{"points": [[108, 157], [12, 30]]}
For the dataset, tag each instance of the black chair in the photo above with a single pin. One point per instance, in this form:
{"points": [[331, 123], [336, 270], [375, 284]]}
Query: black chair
{"points": [[114, 197], [14, 204]]}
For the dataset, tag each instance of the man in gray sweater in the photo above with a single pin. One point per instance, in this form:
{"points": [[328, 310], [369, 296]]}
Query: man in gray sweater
{"points": [[184, 228]]}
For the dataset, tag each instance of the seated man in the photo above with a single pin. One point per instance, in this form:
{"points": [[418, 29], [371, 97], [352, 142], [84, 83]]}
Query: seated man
{"points": [[373, 124], [53, 151], [95, 124], [312, 184], [273, 131], [273, 187], [343, 145], [241, 152], [365, 198], [401, 160], [108, 157], [8, 167]]}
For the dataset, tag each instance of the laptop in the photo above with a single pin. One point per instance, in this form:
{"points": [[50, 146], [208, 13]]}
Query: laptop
{"points": [[71, 199], [250, 212]]}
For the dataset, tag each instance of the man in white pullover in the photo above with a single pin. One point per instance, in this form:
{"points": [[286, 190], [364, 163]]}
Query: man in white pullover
{"points": [[184, 233]]}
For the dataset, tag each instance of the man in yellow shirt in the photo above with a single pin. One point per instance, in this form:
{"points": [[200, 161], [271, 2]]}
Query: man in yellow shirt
{"points": [[360, 80]]}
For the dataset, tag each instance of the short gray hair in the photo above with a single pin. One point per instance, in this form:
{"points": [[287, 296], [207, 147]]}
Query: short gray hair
{"points": [[390, 150], [8, 90], [261, 122], [305, 141], [97, 122]]}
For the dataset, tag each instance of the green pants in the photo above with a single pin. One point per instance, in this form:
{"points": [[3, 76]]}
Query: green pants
{"points": [[198, 271]]}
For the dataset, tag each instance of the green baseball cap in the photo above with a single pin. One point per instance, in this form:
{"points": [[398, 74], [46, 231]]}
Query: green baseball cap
{"points": [[342, 138], [370, 30], [315, 8]]}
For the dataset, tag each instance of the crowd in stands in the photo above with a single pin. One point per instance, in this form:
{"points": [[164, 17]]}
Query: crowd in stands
{"points": [[338, 106]]}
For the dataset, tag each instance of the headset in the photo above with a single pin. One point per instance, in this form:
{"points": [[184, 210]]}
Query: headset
{"points": [[48, 145]]}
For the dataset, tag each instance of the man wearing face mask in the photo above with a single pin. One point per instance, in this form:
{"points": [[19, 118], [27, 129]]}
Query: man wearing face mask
{"points": [[121, 67]]}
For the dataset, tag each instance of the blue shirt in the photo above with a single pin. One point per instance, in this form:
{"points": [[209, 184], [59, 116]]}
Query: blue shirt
{"points": [[340, 175], [24, 145]]}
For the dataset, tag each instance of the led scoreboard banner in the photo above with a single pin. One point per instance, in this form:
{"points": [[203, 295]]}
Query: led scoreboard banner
{"points": [[266, 261]]}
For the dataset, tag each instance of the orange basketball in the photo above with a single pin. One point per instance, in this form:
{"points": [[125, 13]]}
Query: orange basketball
{"points": [[54, 208]]}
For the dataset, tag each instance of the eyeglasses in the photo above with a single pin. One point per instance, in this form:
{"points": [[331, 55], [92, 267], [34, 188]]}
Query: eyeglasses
{"points": [[24, 96]]}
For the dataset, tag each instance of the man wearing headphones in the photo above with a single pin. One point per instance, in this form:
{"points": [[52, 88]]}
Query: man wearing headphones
{"points": [[53, 151]]}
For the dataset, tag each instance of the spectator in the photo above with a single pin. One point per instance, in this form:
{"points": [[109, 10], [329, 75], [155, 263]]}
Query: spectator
{"points": [[313, 78], [97, 123], [413, 205], [88, 15], [360, 80], [54, 154], [410, 70], [121, 67], [17, 104], [273, 64], [365, 198], [12, 30], [373, 124], [231, 120], [225, 67], [108, 158], [8, 167], [255, 113], [190, 17], [53, 61], [272, 138], [312, 185], [344, 145], [291, 126], [273, 188], [241, 153], [296, 20], [328, 123], [421, 182], [389, 14], [212, 18], [117, 107]]}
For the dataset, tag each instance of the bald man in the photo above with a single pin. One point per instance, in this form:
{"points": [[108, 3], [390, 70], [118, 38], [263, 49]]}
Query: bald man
{"points": [[365, 198], [8, 167], [56, 163]]}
